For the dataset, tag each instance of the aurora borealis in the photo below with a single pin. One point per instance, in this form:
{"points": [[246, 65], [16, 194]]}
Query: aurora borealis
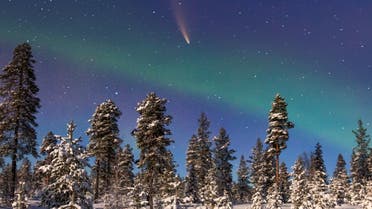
{"points": [[316, 54]]}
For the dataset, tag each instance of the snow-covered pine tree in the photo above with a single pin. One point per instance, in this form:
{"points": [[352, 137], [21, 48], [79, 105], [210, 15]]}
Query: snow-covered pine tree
{"points": [[25, 175], [138, 196], [359, 163], [222, 157], [224, 201], [269, 171], [171, 198], [124, 169], [18, 108], [69, 182], [40, 180], [209, 192], [169, 182], [258, 198], [299, 189], [317, 163], [340, 182], [152, 140], [259, 178], [277, 132], [274, 197], [256, 160], [243, 187], [204, 154], [123, 179], [284, 186], [367, 201], [104, 143], [191, 187], [320, 197]]}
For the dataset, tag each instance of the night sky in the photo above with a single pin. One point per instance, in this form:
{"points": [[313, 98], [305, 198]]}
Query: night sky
{"points": [[226, 58]]}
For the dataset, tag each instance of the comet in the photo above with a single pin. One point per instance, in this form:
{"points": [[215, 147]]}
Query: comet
{"points": [[181, 22]]}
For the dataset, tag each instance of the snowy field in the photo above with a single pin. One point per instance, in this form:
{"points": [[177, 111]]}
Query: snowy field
{"points": [[34, 205]]}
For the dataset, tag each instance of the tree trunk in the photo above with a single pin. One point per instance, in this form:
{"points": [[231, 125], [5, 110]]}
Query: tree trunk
{"points": [[151, 201], [14, 163], [277, 165], [108, 175], [96, 187]]}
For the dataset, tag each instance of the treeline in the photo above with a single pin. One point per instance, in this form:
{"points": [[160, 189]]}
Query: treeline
{"points": [[60, 178]]}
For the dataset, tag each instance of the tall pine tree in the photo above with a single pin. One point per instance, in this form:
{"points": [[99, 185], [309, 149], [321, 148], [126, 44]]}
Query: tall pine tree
{"points": [[104, 143], [18, 108], [204, 154], [152, 140], [222, 157], [277, 132]]}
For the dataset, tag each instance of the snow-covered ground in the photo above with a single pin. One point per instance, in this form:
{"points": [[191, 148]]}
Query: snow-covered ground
{"points": [[34, 205]]}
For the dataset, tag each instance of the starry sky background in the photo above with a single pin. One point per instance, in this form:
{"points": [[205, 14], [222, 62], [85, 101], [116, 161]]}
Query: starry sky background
{"points": [[316, 54]]}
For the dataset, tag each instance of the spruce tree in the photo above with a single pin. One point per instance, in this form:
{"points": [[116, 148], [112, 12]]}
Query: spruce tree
{"points": [[340, 182], [123, 180], [258, 198], [209, 192], [274, 197], [317, 163], [284, 186], [40, 179], [69, 183], [191, 190], [18, 109], [104, 143], [124, 168], [152, 140], [256, 160], [204, 154], [299, 188], [359, 163], [320, 197], [259, 178], [222, 157], [277, 132], [367, 201], [243, 184]]}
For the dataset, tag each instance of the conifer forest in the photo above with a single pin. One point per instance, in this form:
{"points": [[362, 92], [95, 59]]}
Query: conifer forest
{"points": [[105, 172]]}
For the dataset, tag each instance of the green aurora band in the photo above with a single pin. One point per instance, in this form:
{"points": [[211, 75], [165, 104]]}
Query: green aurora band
{"points": [[239, 84]]}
